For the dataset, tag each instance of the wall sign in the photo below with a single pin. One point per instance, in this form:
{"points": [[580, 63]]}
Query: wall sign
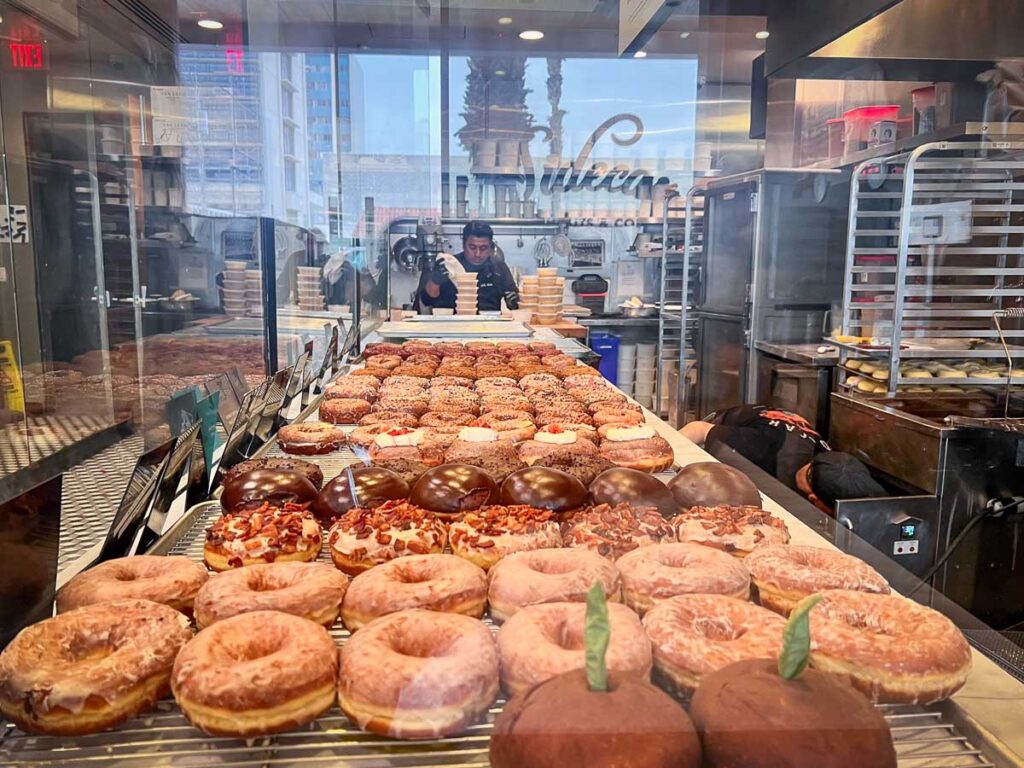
{"points": [[14, 224], [31, 55]]}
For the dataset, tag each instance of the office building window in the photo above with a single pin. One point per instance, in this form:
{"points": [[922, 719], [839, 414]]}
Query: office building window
{"points": [[290, 175]]}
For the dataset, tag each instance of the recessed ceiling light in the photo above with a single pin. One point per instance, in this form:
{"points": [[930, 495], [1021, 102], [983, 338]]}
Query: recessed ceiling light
{"points": [[505, 20], [531, 34], [640, 55], [210, 24], [762, 35], [500, 72], [684, 35]]}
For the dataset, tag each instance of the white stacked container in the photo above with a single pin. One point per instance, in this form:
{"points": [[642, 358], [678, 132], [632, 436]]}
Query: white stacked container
{"points": [[254, 291], [466, 288], [529, 294], [311, 297], [627, 368], [550, 296], [234, 287], [646, 370]]}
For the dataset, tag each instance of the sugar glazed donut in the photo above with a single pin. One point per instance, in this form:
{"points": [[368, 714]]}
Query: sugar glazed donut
{"points": [[343, 410], [736, 530], [256, 673], [418, 674], [484, 536], [172, 581], [444, 583], [264, 535], [362, 538], [694, 635], [660, 571], [311, 590], [613, 531], [90, 668], [311, 438], [544, 641], [890, 648], [548, 576], [786, 574]]}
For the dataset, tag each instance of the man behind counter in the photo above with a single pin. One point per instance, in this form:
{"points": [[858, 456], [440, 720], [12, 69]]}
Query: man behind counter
{"points": [[494, 279]]}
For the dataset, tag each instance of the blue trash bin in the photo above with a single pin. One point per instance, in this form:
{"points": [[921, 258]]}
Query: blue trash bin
{"points": [[607, 346]]}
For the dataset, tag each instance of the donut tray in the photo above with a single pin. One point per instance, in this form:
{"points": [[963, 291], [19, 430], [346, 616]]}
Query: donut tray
{"points": [[923, 738]]}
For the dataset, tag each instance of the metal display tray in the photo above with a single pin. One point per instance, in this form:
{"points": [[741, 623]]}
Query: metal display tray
{"points": [[454, 329]]}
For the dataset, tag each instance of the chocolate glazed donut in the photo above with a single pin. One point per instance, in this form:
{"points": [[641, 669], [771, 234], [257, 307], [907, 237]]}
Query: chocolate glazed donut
{"points": [[451, 489], [631, 486], [276, 486], [372, 485], [709, 484], [544, 488]]}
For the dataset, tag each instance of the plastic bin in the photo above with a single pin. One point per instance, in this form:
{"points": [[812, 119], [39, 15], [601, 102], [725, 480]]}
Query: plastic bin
{"points": [[607, 346], [857, 124]]}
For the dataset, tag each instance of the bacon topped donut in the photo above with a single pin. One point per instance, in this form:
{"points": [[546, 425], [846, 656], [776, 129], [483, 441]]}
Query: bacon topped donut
{"points": [[736, 530], [362, 538], [262, 535], [484, 536], [614, 531]]}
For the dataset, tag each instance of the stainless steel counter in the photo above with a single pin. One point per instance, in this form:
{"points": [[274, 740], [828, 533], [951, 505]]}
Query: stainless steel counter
{"points": [[804, 354], [618, 322]]}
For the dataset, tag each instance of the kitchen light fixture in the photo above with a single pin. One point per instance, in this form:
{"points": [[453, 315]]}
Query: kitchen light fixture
{"points": [[210, 24], [640, 55], [762, 35], [500, 73], [683, 35], [531, 34], [505, 20]]}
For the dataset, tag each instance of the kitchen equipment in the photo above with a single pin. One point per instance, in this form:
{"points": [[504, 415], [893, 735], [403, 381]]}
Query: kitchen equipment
{"points": [[591, 291], [645, 310], [857, 123], [607, 346]]}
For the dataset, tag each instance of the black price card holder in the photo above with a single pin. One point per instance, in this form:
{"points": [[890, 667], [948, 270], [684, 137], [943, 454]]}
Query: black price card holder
{"points": [[309, 374], [277, 395], [174, 487], [29, 543], [238, 383], [228, 401], [181, 410], [329, 361], [350, 348], [233, 445]]}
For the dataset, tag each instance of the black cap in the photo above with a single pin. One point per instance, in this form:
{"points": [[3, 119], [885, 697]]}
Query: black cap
{"points": [[836, 475]]}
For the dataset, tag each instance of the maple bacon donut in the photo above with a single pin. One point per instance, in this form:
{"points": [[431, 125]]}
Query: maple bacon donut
{"points": [[170, 580], [485, 535], [363, 538], [612, 531], [264, 535], [736, 530], [311, 438], [256, 673]]}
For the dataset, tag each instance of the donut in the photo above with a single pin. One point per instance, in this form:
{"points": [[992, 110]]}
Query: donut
{"points": [[484, 536], [418, 674], [415, 370], [397, 418], [548, 576], [785, 574], [439, 382], [307, 469], [443, 583], [90, 668], [736, 530], [554, 439], [585, 468], [364, 435], [447, 419], [387, 362], [543, 641], [509, 430], [660, 571], [694, 635], [539, 382], [256, 673], [890, 648], [263, 535], [559, 414], [259, 486], [374, 372], [357, 387], [637, 447], [172, 581], [440, 438], [362, 538], [414, 404], [311, 590], [472, 451], [409, 382], [343, 410], [381, 348], [407, 469], [612, 531], [405, 443], [311, 438]]}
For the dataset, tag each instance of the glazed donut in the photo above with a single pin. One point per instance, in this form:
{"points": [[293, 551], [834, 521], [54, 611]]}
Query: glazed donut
{"points": [[418, 674], [736, 530], [387, 362], [785, 574], [311, 590], [442, 382], [397, 418], [890, 648], [343, 410], [509, 430], [256, 673], [263, 535], [172, 581], [612, 531], [307, 469], [694, 635], [548, 576], [405, 443], [447, 419], [554, 439], [655, 573], [544, 641], [637, 447], [90, 668], [362, 538], [381, 348], [311, 438], [484, 536], [443, 583], [399, 381], [415, 370]]}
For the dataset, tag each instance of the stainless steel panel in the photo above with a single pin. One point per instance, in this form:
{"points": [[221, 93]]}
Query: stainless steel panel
{"points": [[722, 358], [728, 248]]}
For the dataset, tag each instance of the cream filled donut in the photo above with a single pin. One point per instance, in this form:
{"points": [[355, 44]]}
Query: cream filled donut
{"points": [[173, 581], [542, 641], [418, 674], [256, 673], [660, 571], [311, 590], [444, 583], [636, 447], [548, 576], [552, 439], [484, 536]]}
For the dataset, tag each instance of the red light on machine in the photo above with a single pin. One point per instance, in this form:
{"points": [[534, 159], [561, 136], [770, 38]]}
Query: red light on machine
{"points": [[235, 58], [28, 56]]}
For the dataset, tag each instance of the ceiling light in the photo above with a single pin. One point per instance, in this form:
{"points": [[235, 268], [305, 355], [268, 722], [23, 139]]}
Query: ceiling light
{"points": [[683, 35], [500, 72], [505, 20], [210, 24], [762, 35], [531, 34], [640, 55]]}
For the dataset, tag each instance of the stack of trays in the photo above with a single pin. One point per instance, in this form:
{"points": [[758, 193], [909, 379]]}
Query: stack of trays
{"points": [[465, 285], [627, 368], [646, 366], [254, 291], [529, 294], [550, 289], [234, 287], [311, 298]]}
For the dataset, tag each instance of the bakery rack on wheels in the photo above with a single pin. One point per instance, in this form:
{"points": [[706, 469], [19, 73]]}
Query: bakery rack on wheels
{"points": [[934, 283]]}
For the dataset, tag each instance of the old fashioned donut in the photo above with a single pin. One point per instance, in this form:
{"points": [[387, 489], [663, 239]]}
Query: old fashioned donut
{"points": [[90, 668], [311, 590], [362, 538], [343, 410], [447, 419], [256, 673], [484, 536], [605, 417], [543, 641], [397, 418], [548, 576], [444, 583], [264, 535], [660, 571], [612, 531], [311, 438], [697, 634], [418, 674], [513, 430], [785, 574], [353, 387], [736, 530], [890, 648], [172, 581]]}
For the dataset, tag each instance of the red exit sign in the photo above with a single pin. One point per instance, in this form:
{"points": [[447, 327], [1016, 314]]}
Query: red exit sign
{"points": [[28, 56]]}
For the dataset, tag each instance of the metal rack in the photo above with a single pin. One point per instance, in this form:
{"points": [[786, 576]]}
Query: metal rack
{"points": [[935, 258]]}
